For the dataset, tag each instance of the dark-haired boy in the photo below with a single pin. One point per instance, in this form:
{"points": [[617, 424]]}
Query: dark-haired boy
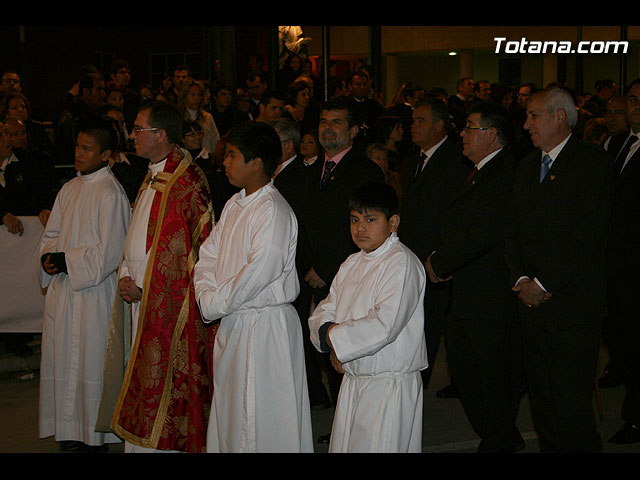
{"points": [[246, 279], [372, 321], [81, 249]]}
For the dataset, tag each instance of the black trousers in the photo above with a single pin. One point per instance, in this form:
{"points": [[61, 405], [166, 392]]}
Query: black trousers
{"points": [[485, 358], [622, 335], [560, 358], [316, 362], [312, 358], [436, 300]]}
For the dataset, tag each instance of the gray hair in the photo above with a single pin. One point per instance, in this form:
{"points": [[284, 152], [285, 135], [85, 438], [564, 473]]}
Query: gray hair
{"points": [[288, 129], [560, 99]]}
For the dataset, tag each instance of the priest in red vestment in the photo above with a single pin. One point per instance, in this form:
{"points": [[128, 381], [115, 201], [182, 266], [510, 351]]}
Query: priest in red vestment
{"points": [[159, 351]]}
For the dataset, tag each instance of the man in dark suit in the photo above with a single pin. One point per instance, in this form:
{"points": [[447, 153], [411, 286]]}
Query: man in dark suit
{"points": [[288, 175], [460, 102], [368, 110], [323, 227], [431, 176], [290, 180], [622, 327], [615, 119], [27, 188], [482, 337], [555, 249]]}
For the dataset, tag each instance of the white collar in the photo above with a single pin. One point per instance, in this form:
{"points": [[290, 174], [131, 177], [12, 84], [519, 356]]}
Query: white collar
{"points": [[555, 151], [486, 159], [433, 149]]}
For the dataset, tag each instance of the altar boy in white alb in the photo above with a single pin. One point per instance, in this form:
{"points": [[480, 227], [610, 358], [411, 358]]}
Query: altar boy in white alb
{"points": [[372, 321], [81, 249], [246, 278]]}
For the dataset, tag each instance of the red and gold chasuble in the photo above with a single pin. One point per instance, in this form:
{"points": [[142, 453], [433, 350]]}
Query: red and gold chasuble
{"points": [[165, 397]]}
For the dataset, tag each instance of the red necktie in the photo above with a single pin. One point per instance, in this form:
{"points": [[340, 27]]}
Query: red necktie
{"points": [[328, 167], [471, 174]]}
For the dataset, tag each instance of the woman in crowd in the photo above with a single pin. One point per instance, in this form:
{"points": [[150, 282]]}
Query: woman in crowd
{"points": [[389, 132], [192, 140], [309, 147], [15, 105], [191, 105], [295, 105]]}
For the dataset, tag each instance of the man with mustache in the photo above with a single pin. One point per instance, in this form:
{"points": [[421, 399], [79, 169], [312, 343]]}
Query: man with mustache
{"points": [[325, 238]]}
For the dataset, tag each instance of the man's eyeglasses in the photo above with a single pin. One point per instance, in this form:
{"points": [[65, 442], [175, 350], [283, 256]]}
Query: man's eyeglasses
{"points": [[469, 129], [137, 130]]}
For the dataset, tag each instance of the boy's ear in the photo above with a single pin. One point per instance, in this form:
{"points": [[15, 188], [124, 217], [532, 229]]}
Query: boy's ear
{"points": [[394, 222], [256, 163], [106, 155]]}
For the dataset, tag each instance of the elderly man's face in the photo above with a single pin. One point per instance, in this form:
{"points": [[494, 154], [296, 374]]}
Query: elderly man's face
{"points": [[543, 126]]}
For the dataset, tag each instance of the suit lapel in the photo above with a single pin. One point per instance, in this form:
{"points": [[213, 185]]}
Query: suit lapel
{"points": [[560, 165], [627, 171], [488, 169], [432, 164]]}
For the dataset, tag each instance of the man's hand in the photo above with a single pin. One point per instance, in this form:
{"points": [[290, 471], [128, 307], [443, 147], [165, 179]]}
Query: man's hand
{"points": [[48, 266], [313, 279], [44, 216], [129, 291], [13, 223], [530, 293], [335, 363], [432, 274]]}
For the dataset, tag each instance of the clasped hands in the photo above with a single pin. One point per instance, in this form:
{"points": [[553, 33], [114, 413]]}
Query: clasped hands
{"points": [[530, 293], [432, 274], [313, 279], [129, 291]]}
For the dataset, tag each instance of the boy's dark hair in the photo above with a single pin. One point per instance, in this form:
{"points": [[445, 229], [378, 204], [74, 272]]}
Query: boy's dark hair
{"points": [[102, 132], [257, 139], [378, 197]]}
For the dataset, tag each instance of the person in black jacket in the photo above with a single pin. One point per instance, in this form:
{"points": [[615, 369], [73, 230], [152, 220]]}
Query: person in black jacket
{"points": [[431, 176], [621, 326], [323, 226], [24, 189], [482, 338], [555, 250]]}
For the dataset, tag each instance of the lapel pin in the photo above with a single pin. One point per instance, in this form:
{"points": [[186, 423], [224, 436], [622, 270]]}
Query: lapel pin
{"points": [[552, 177]]}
